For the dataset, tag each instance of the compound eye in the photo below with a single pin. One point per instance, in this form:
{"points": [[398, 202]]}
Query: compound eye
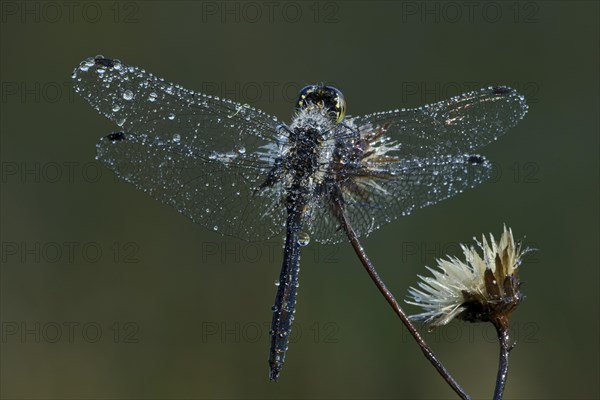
{"points": [[306, 93], [338, 103], [327, 98]]}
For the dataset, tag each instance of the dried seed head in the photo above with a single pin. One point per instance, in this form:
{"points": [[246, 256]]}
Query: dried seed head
{"points": [[479, 289]]}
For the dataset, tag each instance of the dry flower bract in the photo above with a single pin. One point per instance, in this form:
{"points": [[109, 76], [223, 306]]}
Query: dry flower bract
{"points": [[481, 288]]}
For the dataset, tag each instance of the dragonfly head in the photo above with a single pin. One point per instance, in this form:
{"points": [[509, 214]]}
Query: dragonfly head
{"points": [[327, 98]]}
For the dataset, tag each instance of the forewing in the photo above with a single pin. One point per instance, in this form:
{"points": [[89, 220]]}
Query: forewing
{"points": [[204, 156], [458, 125], [142, 103]]}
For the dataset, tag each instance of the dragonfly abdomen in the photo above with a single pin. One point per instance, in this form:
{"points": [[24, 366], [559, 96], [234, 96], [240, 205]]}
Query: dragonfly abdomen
{"points": [[285, 299]]}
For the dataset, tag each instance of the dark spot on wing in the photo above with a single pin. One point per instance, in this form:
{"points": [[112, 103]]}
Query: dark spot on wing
{"points": [[116, 137], [501, 89], [476, 159], [107, 62]]}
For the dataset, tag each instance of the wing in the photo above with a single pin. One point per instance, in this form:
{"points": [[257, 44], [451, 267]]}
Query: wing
{"points": [[407, 159], [458, 125], [206, 157], [378, 196]]}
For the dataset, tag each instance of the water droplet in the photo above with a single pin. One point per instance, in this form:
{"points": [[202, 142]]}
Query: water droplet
{"points": [[116, 108], [303, 239], [171, 116], [215, 228], [152, 97], [128, 95], [121, 121], [276, 283], [176, 137], [87, 64]]}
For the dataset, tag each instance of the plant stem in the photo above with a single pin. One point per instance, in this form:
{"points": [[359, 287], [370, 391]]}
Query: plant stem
{"points": [[389, 297], [501, 325]]}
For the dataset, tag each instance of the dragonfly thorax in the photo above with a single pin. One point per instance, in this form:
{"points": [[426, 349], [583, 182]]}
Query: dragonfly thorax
{"points": [[311, 142]]}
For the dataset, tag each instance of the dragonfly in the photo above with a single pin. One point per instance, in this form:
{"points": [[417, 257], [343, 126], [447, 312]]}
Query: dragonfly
{"points": [[239, 171]]}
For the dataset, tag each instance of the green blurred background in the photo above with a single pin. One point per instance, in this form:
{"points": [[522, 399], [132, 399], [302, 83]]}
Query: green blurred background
{"points": [[108, 294]]}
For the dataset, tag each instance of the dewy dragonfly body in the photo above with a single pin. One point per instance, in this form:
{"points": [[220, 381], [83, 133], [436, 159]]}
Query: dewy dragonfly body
{"points": [[240, 172]]}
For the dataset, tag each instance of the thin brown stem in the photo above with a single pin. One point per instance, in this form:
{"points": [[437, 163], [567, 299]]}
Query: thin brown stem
{"points": [[389, 297], [501, 325]]}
